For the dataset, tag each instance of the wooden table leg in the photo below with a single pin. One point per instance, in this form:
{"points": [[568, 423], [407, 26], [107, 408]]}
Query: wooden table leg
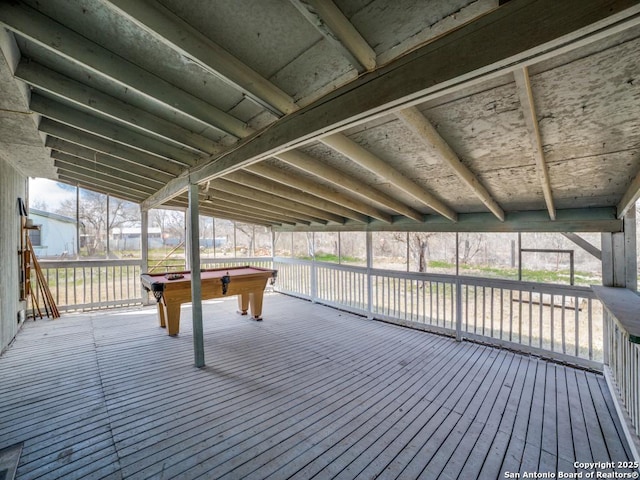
{"points": [[173, 318], [243, 303], [161, 313], [255, 300]]}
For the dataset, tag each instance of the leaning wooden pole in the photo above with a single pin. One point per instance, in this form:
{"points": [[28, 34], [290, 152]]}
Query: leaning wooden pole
{"points": [[48, 299]]}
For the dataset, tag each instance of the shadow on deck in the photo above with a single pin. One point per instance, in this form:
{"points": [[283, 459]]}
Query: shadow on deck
{"points": [[310, 392]]}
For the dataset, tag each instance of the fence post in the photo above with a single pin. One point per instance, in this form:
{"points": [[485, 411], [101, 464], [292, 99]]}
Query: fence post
{"points": [[458, 310]]}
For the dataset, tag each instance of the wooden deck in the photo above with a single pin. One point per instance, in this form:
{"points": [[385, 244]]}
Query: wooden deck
{"points": [[310, 392]]}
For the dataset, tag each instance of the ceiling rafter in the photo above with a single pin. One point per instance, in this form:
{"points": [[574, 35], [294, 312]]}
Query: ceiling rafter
{"points": [[97, 186], [523, 84], [305, 162], [268, 207], [269, 198], [424, 129], [182, 37], [30, 23], [217, 202], [110, 131], [89, 178], [332, 24], [45, 79], [350, 149], [306, 185], [182, 203], [73, 135], [296, 195], [84, 165], [105, 159]]}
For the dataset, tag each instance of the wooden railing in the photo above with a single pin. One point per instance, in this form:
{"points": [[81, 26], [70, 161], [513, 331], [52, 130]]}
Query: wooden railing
{"points": [[93, 284], [554, 321], [622, 348], [560, 322], [90, 284]]}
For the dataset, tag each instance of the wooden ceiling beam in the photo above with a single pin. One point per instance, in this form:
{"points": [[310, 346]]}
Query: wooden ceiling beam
{"points": [[79, 182], [248, 179], [309, 186], [171, 30], [60, 40], [100, 184], [134, 180], [236, 209], [47, 80], [110, 131], [267, 207], [268, 198], [569, 220], [305, 162], [105, 159], [423, 128], [211, 211], [523, 84], [350, 149], [332, 24], [99, 144]]}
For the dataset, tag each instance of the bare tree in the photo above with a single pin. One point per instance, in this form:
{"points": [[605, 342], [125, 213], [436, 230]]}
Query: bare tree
{"points": [[171, 224], [96, 221], [249, 232], [469, 246]]}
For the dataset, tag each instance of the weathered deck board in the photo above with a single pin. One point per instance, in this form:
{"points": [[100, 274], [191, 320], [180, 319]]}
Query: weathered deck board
{"points": [[310, 392]]}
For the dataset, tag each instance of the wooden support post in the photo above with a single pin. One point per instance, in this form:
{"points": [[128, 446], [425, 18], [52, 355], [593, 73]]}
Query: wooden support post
{"points": [[196, 286], [619, 255], [314, 270], [631, 249], [369, 247], [458, 310], [144, 250]]}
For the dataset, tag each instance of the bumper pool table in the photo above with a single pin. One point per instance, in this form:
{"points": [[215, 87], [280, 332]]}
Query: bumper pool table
{"points": [[173, 289]]}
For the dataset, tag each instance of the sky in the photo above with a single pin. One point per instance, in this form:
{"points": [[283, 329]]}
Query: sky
{"points": [[49, 192]]}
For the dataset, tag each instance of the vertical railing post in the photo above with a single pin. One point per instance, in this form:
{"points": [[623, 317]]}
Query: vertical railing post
{"points": [[314, 270], [458, 310], [313, 280]]}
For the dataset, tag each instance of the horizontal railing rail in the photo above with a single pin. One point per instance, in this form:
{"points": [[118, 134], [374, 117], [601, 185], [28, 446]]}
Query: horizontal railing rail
{"points": [[262, 262], [560, 322], [91, 284]]}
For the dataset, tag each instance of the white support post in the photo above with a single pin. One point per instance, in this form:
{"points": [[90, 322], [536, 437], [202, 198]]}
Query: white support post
{"points": [[107, 227], [314, 270], [144, 249], [630, 249], [369, 248], [619, 255], [458, 309], [196, 286], [77, 221]]}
